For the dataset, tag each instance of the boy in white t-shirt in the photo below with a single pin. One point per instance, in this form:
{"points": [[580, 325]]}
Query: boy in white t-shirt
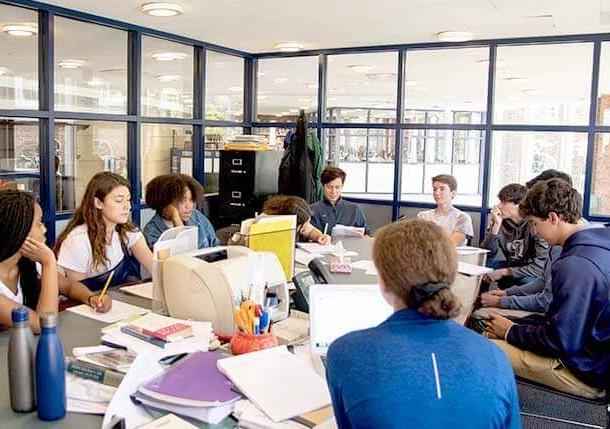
{"points": [[457, 223]]}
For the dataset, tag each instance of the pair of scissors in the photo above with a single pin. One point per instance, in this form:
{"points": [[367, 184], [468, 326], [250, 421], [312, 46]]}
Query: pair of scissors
{"points": [[244, 316]]}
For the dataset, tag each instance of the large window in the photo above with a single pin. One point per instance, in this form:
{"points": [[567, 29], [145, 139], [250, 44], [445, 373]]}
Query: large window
{"points": [[19, 154], [519, 156], [167, 78], [603, 101], [367, 157], [224, 87], [431, 97], [90, 67], [165, 149], [83, 149], [600, 190], [285, 86], [19, 58], [543, 84], [215, 139], [427, 153], [362, 88]]}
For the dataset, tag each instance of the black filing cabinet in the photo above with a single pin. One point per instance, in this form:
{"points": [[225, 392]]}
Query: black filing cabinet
{"points": [[246, 179]]}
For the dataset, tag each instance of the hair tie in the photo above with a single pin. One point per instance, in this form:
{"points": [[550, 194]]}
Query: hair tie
{"points": [[422, 293]]}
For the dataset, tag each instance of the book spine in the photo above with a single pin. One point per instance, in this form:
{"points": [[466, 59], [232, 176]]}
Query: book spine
{"points": [[91, 372], [137, 333], [170, 333]]}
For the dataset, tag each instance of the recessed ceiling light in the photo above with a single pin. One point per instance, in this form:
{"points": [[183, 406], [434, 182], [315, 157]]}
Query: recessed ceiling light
{"points": [[516, 80], [289, 46], [532, 92], [361, 68], [3, 70], [410, 83], [235, 89], [96, 81], [168, 77], [20, 30], [71, 64], [454, 36], [280, 80], [169, 56], [162, 9]]}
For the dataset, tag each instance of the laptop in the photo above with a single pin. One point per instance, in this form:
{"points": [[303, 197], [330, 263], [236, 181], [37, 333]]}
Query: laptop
{"points": [[335, 310]]}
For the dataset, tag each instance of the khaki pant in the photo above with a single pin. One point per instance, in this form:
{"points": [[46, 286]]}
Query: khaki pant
{"points": [[547, 371]]}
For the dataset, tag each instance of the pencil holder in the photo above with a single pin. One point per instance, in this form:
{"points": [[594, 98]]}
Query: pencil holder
{"points": [[245, 343]]}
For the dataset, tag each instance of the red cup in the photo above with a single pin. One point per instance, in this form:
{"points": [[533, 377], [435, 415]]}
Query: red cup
{"points": [[245, 343]]}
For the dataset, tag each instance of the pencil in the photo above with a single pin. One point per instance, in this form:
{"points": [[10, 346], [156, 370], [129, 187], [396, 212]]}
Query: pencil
{"points": [[108, 280], [325, 228]]}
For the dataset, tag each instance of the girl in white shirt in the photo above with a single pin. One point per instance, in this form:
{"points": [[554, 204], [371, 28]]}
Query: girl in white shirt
{"points": [[100, 239]]}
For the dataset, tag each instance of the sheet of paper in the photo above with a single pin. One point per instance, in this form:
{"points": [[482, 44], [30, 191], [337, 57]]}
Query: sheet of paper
{"points": [[144, 368], [363, 264], [251, 417], [81, 351], [145, 290], [86, 407], [119, 311], [87, 396], [317, 248], [303, 257], [469, 250], [472, 270], [200, 340], [347, 231]]}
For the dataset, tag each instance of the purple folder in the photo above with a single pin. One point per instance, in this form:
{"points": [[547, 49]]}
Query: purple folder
{"points": [[194, 381]]}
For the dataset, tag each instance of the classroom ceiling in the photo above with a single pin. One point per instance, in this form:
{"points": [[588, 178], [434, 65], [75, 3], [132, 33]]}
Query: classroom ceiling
{"points": [[256, 26]]}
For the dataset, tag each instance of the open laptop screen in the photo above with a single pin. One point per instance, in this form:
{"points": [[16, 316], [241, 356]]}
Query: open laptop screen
{"points": [[335, 310]]}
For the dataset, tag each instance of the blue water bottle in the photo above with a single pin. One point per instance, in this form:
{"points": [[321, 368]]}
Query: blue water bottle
{"points": [[50, 371]]}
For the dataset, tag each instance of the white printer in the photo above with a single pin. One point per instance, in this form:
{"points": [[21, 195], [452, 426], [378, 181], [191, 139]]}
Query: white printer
{"points": [[208, 284]]}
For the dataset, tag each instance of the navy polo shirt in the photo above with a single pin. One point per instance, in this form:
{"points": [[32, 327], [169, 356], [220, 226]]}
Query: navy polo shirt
{"points": [[342, 213]]}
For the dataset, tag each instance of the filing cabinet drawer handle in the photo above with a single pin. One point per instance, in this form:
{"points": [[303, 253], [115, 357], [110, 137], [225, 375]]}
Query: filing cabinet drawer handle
{"points": [[237, 204], [238, 171], [235, 194], [236, 161]]}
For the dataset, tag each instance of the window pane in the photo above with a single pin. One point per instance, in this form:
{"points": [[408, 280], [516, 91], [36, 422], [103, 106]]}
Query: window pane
{"points": [[600, 190], [544, 84], [215, 138], [274, 135], [367, 156], [90, 67], [85, 148], [286, 85], [19, 154], [362, 88], [165, 149], [430, 97], [519, 156], [603, 101], [224, 87], [19, 60], [427, 153], [167, 78]]}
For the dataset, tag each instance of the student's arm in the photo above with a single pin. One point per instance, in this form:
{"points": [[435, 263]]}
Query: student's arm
{"points": [[207, 229], [361, 221], [151, 233], [311, 233], [81, 293], [537, 302], [143, 254], [458, 238], [536, 267], [462, 229]]}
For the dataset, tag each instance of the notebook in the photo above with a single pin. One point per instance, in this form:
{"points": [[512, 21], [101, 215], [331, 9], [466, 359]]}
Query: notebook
{"points": [[277, 382]]}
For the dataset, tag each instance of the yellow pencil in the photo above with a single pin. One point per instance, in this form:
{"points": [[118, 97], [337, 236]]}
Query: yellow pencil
{"points": [[108, 280]]}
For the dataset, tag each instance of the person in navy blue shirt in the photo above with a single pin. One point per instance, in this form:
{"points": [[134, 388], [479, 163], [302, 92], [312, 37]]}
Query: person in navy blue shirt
{"points": [[566, 348], [175, 198], [334, 210], [418, 368]]}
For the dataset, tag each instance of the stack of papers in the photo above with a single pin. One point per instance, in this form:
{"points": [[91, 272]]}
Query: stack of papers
{"points": [[87, 396], [261, 376], [304, 258], [469, 250], [250, 417], [472, 270], [119, 311], [366, 265], [347, 231], [317, 248], [145, 290], [181, 390]]}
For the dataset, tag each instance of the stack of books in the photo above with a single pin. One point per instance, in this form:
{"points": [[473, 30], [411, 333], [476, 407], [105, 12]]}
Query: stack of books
{"points": [[247, 142], [108, 367], [193, 387], [157, 330]]}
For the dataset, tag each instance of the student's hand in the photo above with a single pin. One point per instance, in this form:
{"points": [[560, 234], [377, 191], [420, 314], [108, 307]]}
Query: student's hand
{"points": [[497, 326], [495, 275], [324, 239], [37, 251], [171, 213], [496, 215], [101, 306], [497, 292], [490, 300]]}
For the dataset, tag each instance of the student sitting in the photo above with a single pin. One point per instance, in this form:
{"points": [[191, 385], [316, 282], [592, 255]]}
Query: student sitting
{"points": [[100, 238], [418, 369], [567, 348], [457, 223], [22, 247], [516, 250], [291, 205], [333, 209], [175, 198]]}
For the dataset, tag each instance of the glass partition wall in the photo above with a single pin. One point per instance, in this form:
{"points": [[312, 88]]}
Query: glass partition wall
{"points": [[88, 97]]}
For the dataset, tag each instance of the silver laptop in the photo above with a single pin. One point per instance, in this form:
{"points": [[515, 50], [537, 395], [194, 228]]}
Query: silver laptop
{"points": [[335, 310]]}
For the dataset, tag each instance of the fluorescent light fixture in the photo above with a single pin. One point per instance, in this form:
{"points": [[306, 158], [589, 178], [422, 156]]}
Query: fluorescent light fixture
{"points": [[3, 70], [169, 56], [280, 80], [20, 30], [289, 46], [235, 89], [516, 80], [162, 9], [532, 92], [96, 81], [361, 68], [454, 36], [168, 77], [71, 64]]}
